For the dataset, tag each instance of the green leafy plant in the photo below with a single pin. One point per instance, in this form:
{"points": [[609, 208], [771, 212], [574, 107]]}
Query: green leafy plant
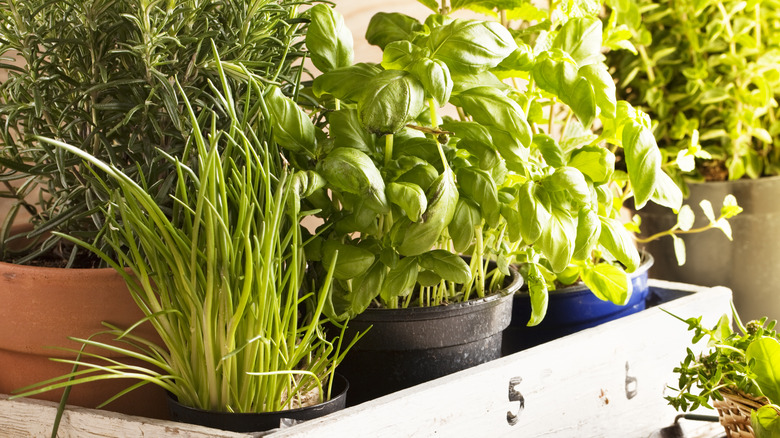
{"points": [[706, 72], [744, 363], [100, 75], [685, 221], [527, 170], [221, 276]]}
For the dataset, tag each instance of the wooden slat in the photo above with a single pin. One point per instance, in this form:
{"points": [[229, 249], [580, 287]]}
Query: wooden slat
{"points": [[34, 418], [574, 386]]}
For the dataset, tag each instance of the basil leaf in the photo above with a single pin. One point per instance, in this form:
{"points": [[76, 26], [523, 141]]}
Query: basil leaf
{"points": [[430, 4], [557, 239], [512, 218], [615, 238], [667, 193], [410, 197], [401, 279], [765, 422], [435, 78], [399, 55], [550, 149], [643, 160], [520, 61], [471, 46], [490, 107], [414, 170], [339, 302], [764, 356], [424, 148], [391, 99], [511, 148], [345, 83], [534, 203], [462, 228], [572, 181], [580, 37], [596, 162], [484, 152], [467, 81], [603, 87], [352, 260], [385, 28], [447, 265], [352, 171], [292, 128], [561, 78], [420, 236], [347, 132], [537, 291], [306, 182], [428, 278], [608, 283], [368, 286], [588, 231], [329, 40], [479, 186]]}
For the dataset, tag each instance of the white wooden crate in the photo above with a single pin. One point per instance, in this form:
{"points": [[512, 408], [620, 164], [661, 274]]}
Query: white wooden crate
{"points": [[608, 381]]}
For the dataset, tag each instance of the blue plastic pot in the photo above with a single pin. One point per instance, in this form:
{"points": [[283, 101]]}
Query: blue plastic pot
{"points": [[570, 310]]}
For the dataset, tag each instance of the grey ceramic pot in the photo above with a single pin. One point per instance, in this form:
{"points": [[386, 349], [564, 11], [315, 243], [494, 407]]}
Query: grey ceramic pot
{"points": [[749, 265]]}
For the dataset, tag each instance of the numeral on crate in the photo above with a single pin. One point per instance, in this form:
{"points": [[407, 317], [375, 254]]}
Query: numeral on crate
{"points": [[515, 396]]}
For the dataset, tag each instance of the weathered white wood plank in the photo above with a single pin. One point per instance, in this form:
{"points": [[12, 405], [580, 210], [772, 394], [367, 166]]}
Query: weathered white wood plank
{"points": [[25, 418], [602, 382]]}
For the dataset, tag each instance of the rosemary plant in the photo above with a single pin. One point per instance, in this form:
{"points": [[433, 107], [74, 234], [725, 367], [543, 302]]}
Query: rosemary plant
{"points": [[221, 277], [100, 75]]}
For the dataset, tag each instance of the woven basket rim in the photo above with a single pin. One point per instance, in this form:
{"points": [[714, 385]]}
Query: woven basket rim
{"points": [[734, 411]]}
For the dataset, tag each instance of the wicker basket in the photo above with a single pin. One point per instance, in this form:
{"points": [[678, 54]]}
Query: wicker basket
{"points": [[734, 412]]}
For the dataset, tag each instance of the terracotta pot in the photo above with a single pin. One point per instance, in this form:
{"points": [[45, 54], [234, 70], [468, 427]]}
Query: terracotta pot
{"points": [[41, 307]]}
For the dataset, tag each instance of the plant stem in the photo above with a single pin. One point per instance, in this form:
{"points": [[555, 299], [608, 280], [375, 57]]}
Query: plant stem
{"points": [[552, 116], [673, 230], [648, 66], [434, 116], [388, 148]]}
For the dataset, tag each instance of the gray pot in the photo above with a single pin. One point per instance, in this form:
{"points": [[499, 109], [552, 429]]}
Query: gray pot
{"points": [[749, 265]]}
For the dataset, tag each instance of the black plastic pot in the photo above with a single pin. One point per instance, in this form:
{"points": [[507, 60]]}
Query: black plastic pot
{"points": [[571, 309], [263, 421], [748, 265], [406, 347]]}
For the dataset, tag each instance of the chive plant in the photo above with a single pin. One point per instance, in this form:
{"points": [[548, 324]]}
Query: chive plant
{"points": [[221, 279], [100, 75]]}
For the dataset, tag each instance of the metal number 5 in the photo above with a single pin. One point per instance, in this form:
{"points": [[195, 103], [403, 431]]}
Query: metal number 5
{"points": [[515, 396]]}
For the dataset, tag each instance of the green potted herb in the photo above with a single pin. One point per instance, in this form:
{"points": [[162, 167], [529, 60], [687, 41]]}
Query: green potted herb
{"points": [[596, 286], [100, 75], [221, 278], [737, 373], [524, 173], [706, 72]]}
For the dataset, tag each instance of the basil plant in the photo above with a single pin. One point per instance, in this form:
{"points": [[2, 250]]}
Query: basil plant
{"points": [[524, 170]]}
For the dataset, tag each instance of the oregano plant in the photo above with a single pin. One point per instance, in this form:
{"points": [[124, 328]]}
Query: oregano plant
{"points": [[742, 364], [706, 72]]}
